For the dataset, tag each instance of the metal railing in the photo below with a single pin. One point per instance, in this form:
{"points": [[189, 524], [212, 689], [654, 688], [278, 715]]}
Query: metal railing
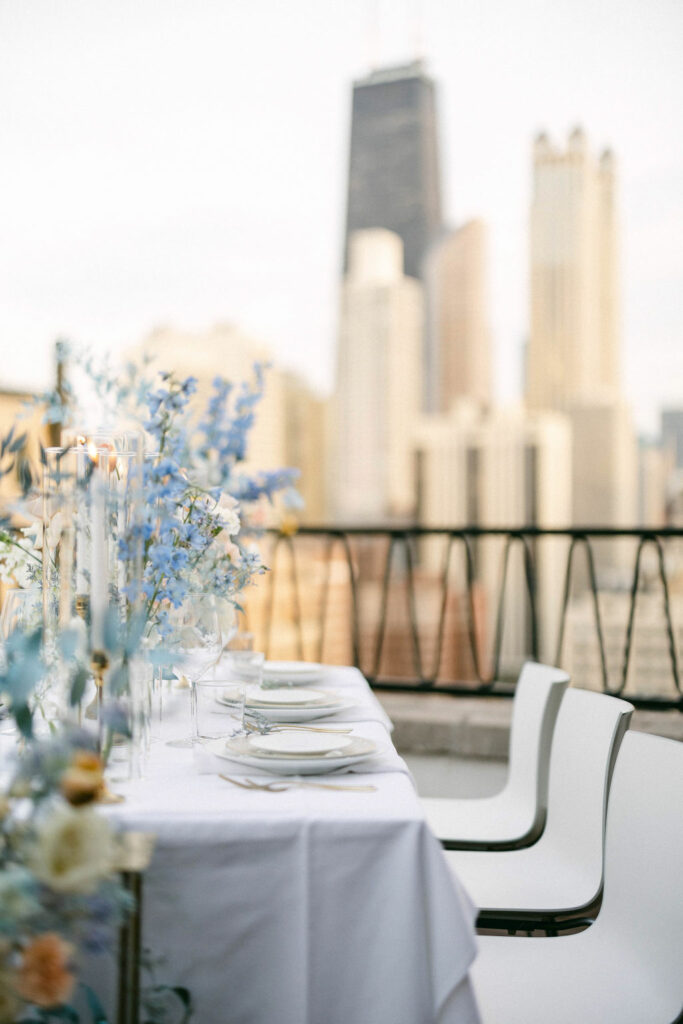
{"points": [[386, 562]]}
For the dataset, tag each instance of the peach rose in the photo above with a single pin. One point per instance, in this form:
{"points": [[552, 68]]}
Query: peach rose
{"points": [[83, 781], [44, 977]]}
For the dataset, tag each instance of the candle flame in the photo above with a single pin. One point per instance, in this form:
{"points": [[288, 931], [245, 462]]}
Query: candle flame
{"points": [[94, 451]]}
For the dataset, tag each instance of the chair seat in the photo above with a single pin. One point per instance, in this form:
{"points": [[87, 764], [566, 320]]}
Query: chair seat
{"points": [[535, 880], [496, 820], [567, 980]]}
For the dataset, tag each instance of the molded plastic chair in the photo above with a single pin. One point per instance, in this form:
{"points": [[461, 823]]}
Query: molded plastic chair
{"points": [[625, 968], [516, 815], [561, 873]]}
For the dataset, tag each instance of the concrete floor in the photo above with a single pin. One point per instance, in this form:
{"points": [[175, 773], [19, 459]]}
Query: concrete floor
{"points": [[456, 776]]}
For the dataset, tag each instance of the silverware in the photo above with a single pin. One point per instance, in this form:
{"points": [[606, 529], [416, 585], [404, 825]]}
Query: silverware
{"points": [[266, 727], [277, 786]]}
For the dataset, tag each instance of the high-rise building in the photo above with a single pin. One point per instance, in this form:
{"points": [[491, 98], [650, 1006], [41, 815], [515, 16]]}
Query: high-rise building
{"points": [[573, 344], [504, 468], [573, 352], [458, 325], [654, 471], [672, 434], [394, 165], [378, 383], [604, 463]]}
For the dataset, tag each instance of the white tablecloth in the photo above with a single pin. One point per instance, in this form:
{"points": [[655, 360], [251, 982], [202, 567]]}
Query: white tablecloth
{"points": [[306, 906]]}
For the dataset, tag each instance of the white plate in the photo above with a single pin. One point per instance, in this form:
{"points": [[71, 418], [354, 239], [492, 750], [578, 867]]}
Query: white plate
{"points": [[306, 744], [292, 673], [239, 750], [288, 714], [282, 696], [299, 714]]}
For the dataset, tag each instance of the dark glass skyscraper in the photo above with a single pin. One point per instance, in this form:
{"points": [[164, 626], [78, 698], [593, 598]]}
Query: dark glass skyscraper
{"points": [[394, 162]]}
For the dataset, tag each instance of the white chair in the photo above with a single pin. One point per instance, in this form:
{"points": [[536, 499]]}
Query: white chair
{"points": [[626, 968], [562, 873], [516, 815]]}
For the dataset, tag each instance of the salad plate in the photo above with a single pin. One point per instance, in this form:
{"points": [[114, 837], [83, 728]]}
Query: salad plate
{"points": [[242, 750], [287, 709]]}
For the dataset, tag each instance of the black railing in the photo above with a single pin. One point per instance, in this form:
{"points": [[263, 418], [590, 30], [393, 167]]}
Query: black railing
{"points": [[386, 563]]}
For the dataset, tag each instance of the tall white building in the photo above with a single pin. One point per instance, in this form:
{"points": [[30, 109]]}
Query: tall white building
{"points": [[573, 354], [573, 350], [378, 383], [460, 336]]}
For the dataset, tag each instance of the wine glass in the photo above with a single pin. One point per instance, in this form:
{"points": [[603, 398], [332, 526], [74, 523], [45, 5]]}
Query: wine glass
{"points": [[199, 640]]}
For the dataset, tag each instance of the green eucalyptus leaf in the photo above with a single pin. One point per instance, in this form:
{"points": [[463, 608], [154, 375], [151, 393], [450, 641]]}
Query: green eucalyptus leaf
{"points": [[68, 641], [18, 443], [134, 633], [94, 1005], [117, 680], [23, 716], [112, 629], [78, 683], [6, 441], [25, 476]]}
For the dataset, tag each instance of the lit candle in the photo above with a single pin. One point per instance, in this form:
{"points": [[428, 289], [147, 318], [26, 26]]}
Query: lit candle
{"points": [[81, 533], [98, 547]]}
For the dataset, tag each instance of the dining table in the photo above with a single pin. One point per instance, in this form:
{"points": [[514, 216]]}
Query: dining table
{"points": [[297, 904]]}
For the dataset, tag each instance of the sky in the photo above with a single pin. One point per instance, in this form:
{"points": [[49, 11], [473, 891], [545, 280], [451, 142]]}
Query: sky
{"points": [[183, 162]]}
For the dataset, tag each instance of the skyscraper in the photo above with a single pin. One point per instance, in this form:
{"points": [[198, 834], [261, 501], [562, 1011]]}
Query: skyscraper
{"points": [[573, 355], [394, 164], [378, 383], [573, 345], [458, 328]]}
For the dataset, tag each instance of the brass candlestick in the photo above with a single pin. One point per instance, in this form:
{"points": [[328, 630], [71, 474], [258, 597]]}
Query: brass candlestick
{"points": [[99, 663]]}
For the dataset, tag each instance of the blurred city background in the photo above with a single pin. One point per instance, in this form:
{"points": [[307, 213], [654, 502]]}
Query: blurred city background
{"points": [[453, 230]]}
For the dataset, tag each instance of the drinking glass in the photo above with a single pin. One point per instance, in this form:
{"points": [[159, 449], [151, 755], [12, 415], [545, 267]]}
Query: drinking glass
{"points": [[200, 643], [219, 697]]}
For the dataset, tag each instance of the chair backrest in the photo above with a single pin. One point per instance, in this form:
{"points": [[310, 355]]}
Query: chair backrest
{"points": [[538, 696], [588, 732], [643, 897]]}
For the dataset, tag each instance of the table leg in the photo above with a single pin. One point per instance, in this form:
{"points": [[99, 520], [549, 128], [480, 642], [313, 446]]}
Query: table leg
{"points": [[130, 950]]}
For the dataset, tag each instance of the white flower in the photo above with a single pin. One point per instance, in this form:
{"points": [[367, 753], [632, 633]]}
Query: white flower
{"points": [[34, 534], [228, 509], [74, 850], [53, 533]]}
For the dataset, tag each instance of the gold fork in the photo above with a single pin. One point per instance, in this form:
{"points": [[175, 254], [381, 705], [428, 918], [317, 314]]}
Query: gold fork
{"points": [[279, 787]]}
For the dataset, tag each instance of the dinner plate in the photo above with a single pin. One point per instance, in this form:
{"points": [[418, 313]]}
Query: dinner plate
{"points": [[290, 713], [240, 750], [282, 696], [292, 673], [305, 744]]}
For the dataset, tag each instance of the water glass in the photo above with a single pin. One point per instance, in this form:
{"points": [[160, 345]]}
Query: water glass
{"points": [[218, 697]]}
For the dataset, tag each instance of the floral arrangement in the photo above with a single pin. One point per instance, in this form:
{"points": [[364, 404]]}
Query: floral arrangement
{"points": [[198, 520], [59, 893]]}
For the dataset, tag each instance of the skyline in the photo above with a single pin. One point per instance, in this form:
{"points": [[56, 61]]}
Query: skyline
{"points": [[135, 194]]}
